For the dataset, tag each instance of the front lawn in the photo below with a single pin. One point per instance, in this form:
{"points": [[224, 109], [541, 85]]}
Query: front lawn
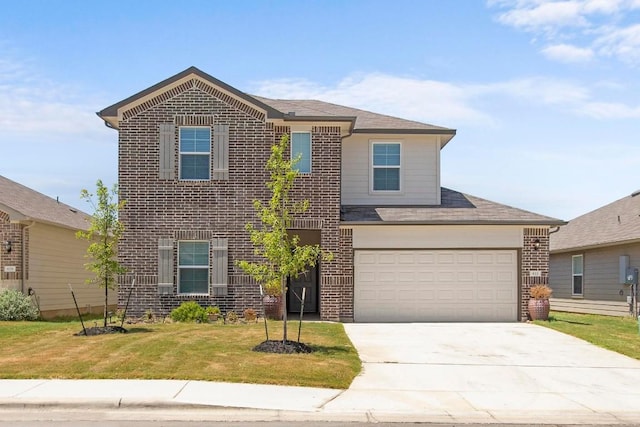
{"points": [[211, 352], [619, 334]]}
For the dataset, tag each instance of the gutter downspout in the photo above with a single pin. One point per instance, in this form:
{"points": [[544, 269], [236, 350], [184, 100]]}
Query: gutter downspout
{"points": [[24, 254]]}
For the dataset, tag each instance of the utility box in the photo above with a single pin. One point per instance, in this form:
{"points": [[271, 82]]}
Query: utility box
{"points": [[632, 276], [624, 265]]}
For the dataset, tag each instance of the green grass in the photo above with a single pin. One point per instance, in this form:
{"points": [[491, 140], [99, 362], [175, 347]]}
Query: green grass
{"points": [[619, 334], [212, 352]]}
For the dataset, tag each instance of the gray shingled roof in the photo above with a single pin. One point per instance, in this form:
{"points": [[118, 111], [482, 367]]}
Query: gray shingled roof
{"points": [[615, 223], [366, 121], [455, 208], [23, 203]]}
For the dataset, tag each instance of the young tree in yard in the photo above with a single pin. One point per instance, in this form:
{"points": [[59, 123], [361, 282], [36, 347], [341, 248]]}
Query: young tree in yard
{"points": [[282, 254], [104, 232]]}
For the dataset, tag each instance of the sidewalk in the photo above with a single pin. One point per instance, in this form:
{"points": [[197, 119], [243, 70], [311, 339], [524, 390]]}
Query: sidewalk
{"points": [[200, 400]]}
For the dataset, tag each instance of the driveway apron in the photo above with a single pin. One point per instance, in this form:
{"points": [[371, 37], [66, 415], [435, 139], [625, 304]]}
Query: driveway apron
{"points": [[487, 372]]}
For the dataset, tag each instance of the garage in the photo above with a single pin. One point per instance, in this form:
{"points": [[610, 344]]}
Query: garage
{"points": [[445, 285]]}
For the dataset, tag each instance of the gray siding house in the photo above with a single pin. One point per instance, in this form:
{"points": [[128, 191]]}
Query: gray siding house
{"points": [[585, 258]]}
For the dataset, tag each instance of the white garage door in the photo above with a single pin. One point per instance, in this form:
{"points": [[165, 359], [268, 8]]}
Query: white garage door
{"points": [[435, 285]]}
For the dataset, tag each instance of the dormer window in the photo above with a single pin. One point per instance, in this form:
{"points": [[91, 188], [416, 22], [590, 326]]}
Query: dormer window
{"points": [[385, 166]]}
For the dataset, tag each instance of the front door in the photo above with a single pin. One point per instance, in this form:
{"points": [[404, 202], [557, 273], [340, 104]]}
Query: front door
{"points": [[308, 281]]}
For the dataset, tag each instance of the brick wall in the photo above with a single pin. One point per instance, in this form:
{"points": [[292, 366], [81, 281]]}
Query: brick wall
{"points": [[218, 208], [533, 260], [12, 233]]}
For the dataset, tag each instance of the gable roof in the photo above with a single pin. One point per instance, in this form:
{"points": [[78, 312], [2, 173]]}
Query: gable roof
{"points": [[291, 110], [25, 204], [614, 224], [456, 208]]}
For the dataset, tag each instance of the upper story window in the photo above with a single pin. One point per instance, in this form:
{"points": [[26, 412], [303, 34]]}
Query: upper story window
{"points": [[577, 266], [195, 153], [193, 267], [301, 146], [385, 164]]}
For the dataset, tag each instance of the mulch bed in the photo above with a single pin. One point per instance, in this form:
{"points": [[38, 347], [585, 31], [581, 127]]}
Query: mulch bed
{"points": [[286, 347], [101, 330]]}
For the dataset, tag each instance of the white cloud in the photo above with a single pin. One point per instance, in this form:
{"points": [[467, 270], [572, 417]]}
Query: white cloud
{"points": [[446, 103], [568, 53], [623, 43], [428, 101], [610, 110], [599, 25], [32, 105]]}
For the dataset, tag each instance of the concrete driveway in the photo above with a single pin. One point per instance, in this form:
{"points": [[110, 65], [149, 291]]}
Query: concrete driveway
{"points": [[488, 372]]}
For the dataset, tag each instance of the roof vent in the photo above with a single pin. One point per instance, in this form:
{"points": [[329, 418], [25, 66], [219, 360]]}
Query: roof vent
{"points": [[291, 113], [635, 193]]}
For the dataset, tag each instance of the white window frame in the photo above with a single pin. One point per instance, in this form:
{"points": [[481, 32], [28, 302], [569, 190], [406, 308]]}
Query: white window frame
{"points": [[574, 275], [293, 156], [191, 153], [203, 267], [373, 167]]}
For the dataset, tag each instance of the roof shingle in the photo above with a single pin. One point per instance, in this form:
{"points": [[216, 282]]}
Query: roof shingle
{"points": [[32, 205], [455, 208], [615, 223]]}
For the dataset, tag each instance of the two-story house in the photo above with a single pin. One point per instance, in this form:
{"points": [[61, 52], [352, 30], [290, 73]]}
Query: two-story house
{"points": [[192, 153]]}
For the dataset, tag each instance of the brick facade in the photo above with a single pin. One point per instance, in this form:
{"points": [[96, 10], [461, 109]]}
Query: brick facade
{"points": [[535, 258], [204, 210], [162, 210], [12, 232]]}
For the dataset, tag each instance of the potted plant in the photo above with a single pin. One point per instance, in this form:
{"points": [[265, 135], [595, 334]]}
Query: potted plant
{"points": [[539, 302], [213, 312], [273, 304]]}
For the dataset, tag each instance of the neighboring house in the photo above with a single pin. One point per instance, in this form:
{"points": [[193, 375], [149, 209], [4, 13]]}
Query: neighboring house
{"points": [[192, 153], [39, 253], [585, 258]]}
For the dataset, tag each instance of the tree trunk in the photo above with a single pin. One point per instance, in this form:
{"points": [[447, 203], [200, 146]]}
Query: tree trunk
{"points": [[284, 311], [106, 303]]}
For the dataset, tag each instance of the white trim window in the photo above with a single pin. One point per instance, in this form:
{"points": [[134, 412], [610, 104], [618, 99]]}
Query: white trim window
{"points": [[193, 267], [195, 153], [385, 166], [301, 146], [577, 275]]}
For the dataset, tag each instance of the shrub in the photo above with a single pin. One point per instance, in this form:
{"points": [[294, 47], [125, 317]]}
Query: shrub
{"points": [[540, 292], [232, 317], [250, 315], [189, 312], [14, 305]]}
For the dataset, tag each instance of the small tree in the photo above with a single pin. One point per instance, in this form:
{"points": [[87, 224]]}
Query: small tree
{"points": [[282, 254], [104, 232]]}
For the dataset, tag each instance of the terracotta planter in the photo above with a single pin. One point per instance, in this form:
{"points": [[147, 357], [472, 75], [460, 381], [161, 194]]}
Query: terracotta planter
{"points": [[273, 307], [539, 309]]}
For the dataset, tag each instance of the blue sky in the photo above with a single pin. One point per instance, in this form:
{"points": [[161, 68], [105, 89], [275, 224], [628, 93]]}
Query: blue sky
{"points": [[545, 95]]}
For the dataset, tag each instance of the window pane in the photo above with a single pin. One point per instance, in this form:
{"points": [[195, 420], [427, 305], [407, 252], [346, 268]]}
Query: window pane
{"points": [[195, 140], [577, 264], [577, 285], [194, 166], [193, 253], [386, 179], [194, 281], [386, 154], [301, 145]]}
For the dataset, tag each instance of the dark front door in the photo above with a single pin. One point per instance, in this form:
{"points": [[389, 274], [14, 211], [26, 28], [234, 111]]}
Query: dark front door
{"points": [[308, 281]]}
